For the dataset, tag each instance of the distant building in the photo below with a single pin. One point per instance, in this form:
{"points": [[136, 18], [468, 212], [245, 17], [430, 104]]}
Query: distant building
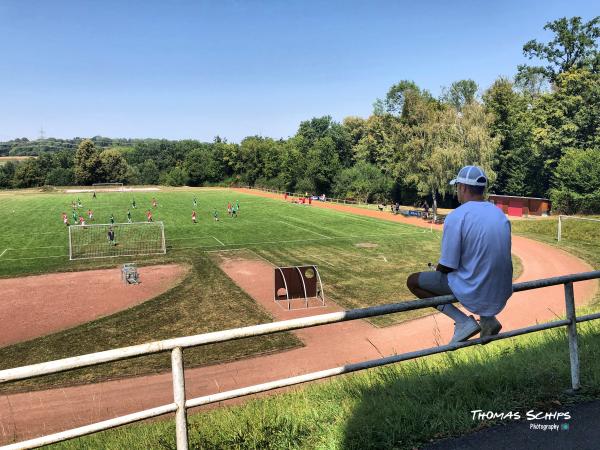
{"points": [[521, 206]]}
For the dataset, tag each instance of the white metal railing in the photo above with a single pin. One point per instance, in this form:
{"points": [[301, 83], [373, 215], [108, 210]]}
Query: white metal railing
{"points": [[176, 345]]}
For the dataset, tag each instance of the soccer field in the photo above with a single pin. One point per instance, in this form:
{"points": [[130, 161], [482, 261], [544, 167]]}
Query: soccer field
{"points": [[34, 239]]}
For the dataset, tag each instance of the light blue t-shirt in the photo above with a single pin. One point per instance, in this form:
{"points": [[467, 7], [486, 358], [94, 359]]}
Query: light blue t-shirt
{"points": [[476, 244]]}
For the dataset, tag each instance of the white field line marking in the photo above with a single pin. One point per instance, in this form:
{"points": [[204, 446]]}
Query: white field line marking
{"points": [[261, 257], [198, 238], [237, 250], [348, 237], [366, 257], [43, 232], [35, 257], [234, 245], [305, 229], [35, 248], [320, 259], [3, 252]]}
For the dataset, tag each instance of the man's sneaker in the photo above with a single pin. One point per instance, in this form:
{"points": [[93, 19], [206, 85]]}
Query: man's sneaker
{"points": [[464, 330], [490, 326]]}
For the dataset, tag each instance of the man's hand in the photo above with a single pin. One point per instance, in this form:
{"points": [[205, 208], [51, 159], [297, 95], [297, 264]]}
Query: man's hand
{"points": [[443, 269]]}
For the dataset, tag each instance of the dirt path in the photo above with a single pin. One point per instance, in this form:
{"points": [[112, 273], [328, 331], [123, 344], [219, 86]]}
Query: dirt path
{"points": [[39, 305], [27, 415]]}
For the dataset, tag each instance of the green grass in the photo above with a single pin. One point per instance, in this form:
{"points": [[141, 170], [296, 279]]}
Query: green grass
{"points": [[280, 232]]}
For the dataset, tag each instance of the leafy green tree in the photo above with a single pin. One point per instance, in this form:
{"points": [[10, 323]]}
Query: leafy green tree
{"points": [[363, 181], [516, 161], [310, 131], [577, 182], [202, 167], [7, 173], [133, 176], [322, 164], [175, 177], [405, 99], [149, 172], [355, 128], [445, 141], [86, 163], [63, 158], [59, 176], [382, 144], [305, 184], [28, 174], [223, 152], [113, 166], [460, 93], [399, 94], [566, 119], [292, 165], [575, 46], [579, 171]]}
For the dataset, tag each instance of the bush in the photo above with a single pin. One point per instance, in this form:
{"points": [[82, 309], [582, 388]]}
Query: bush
{"points": [[269, 183], [568, 202], [60, 177], [175, 177]]}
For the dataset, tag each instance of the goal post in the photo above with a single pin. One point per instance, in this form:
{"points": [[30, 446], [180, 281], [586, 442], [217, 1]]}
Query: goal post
{"points": [[109, 186], [590, 231], [128, 239]]}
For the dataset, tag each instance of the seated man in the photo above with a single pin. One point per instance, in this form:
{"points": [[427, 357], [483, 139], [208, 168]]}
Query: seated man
{"points": [[475, 264], [425, 209]]}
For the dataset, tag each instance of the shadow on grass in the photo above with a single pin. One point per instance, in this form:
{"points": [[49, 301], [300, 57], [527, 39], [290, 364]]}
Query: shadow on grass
{"points": [[405, 406], [402, 406]]}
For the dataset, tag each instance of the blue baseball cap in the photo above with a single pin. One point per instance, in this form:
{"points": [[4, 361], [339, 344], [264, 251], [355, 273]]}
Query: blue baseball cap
{"points": [[471, 175]]}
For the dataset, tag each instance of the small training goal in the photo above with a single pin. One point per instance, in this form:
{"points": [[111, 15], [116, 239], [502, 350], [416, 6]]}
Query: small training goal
{"points": [[578, 228], [119, 239]]}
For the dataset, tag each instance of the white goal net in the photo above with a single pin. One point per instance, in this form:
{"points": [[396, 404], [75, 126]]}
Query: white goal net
{"points": [[119, 239], [108, 186], [582, 229]]}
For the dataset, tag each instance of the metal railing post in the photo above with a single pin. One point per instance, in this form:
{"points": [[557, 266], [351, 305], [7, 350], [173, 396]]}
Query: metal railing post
{"points": [[572, 331], [179, 397]]}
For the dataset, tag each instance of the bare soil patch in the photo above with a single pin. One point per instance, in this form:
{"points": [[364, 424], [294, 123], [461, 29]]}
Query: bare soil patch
{"points": [[366, 245], [39, 305]]}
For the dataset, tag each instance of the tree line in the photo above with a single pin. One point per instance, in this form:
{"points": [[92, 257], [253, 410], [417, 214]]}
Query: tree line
{"points": [[535, 135]]}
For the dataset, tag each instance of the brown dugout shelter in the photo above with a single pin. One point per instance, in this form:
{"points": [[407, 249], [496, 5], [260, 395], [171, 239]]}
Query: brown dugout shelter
{"points": [[521, 206], [302, 283]]}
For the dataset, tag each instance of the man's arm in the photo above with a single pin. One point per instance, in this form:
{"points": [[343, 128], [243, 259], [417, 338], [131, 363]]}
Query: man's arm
{"points": [[451, 244]]}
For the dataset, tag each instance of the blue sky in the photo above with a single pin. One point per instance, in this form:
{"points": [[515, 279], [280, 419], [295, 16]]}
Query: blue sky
{"points": [[196, 69]]}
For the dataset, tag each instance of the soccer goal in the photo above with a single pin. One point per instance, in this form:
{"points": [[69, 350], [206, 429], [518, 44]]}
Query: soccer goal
{"points": [[108, 186], [119, 239], [581, 228]]}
